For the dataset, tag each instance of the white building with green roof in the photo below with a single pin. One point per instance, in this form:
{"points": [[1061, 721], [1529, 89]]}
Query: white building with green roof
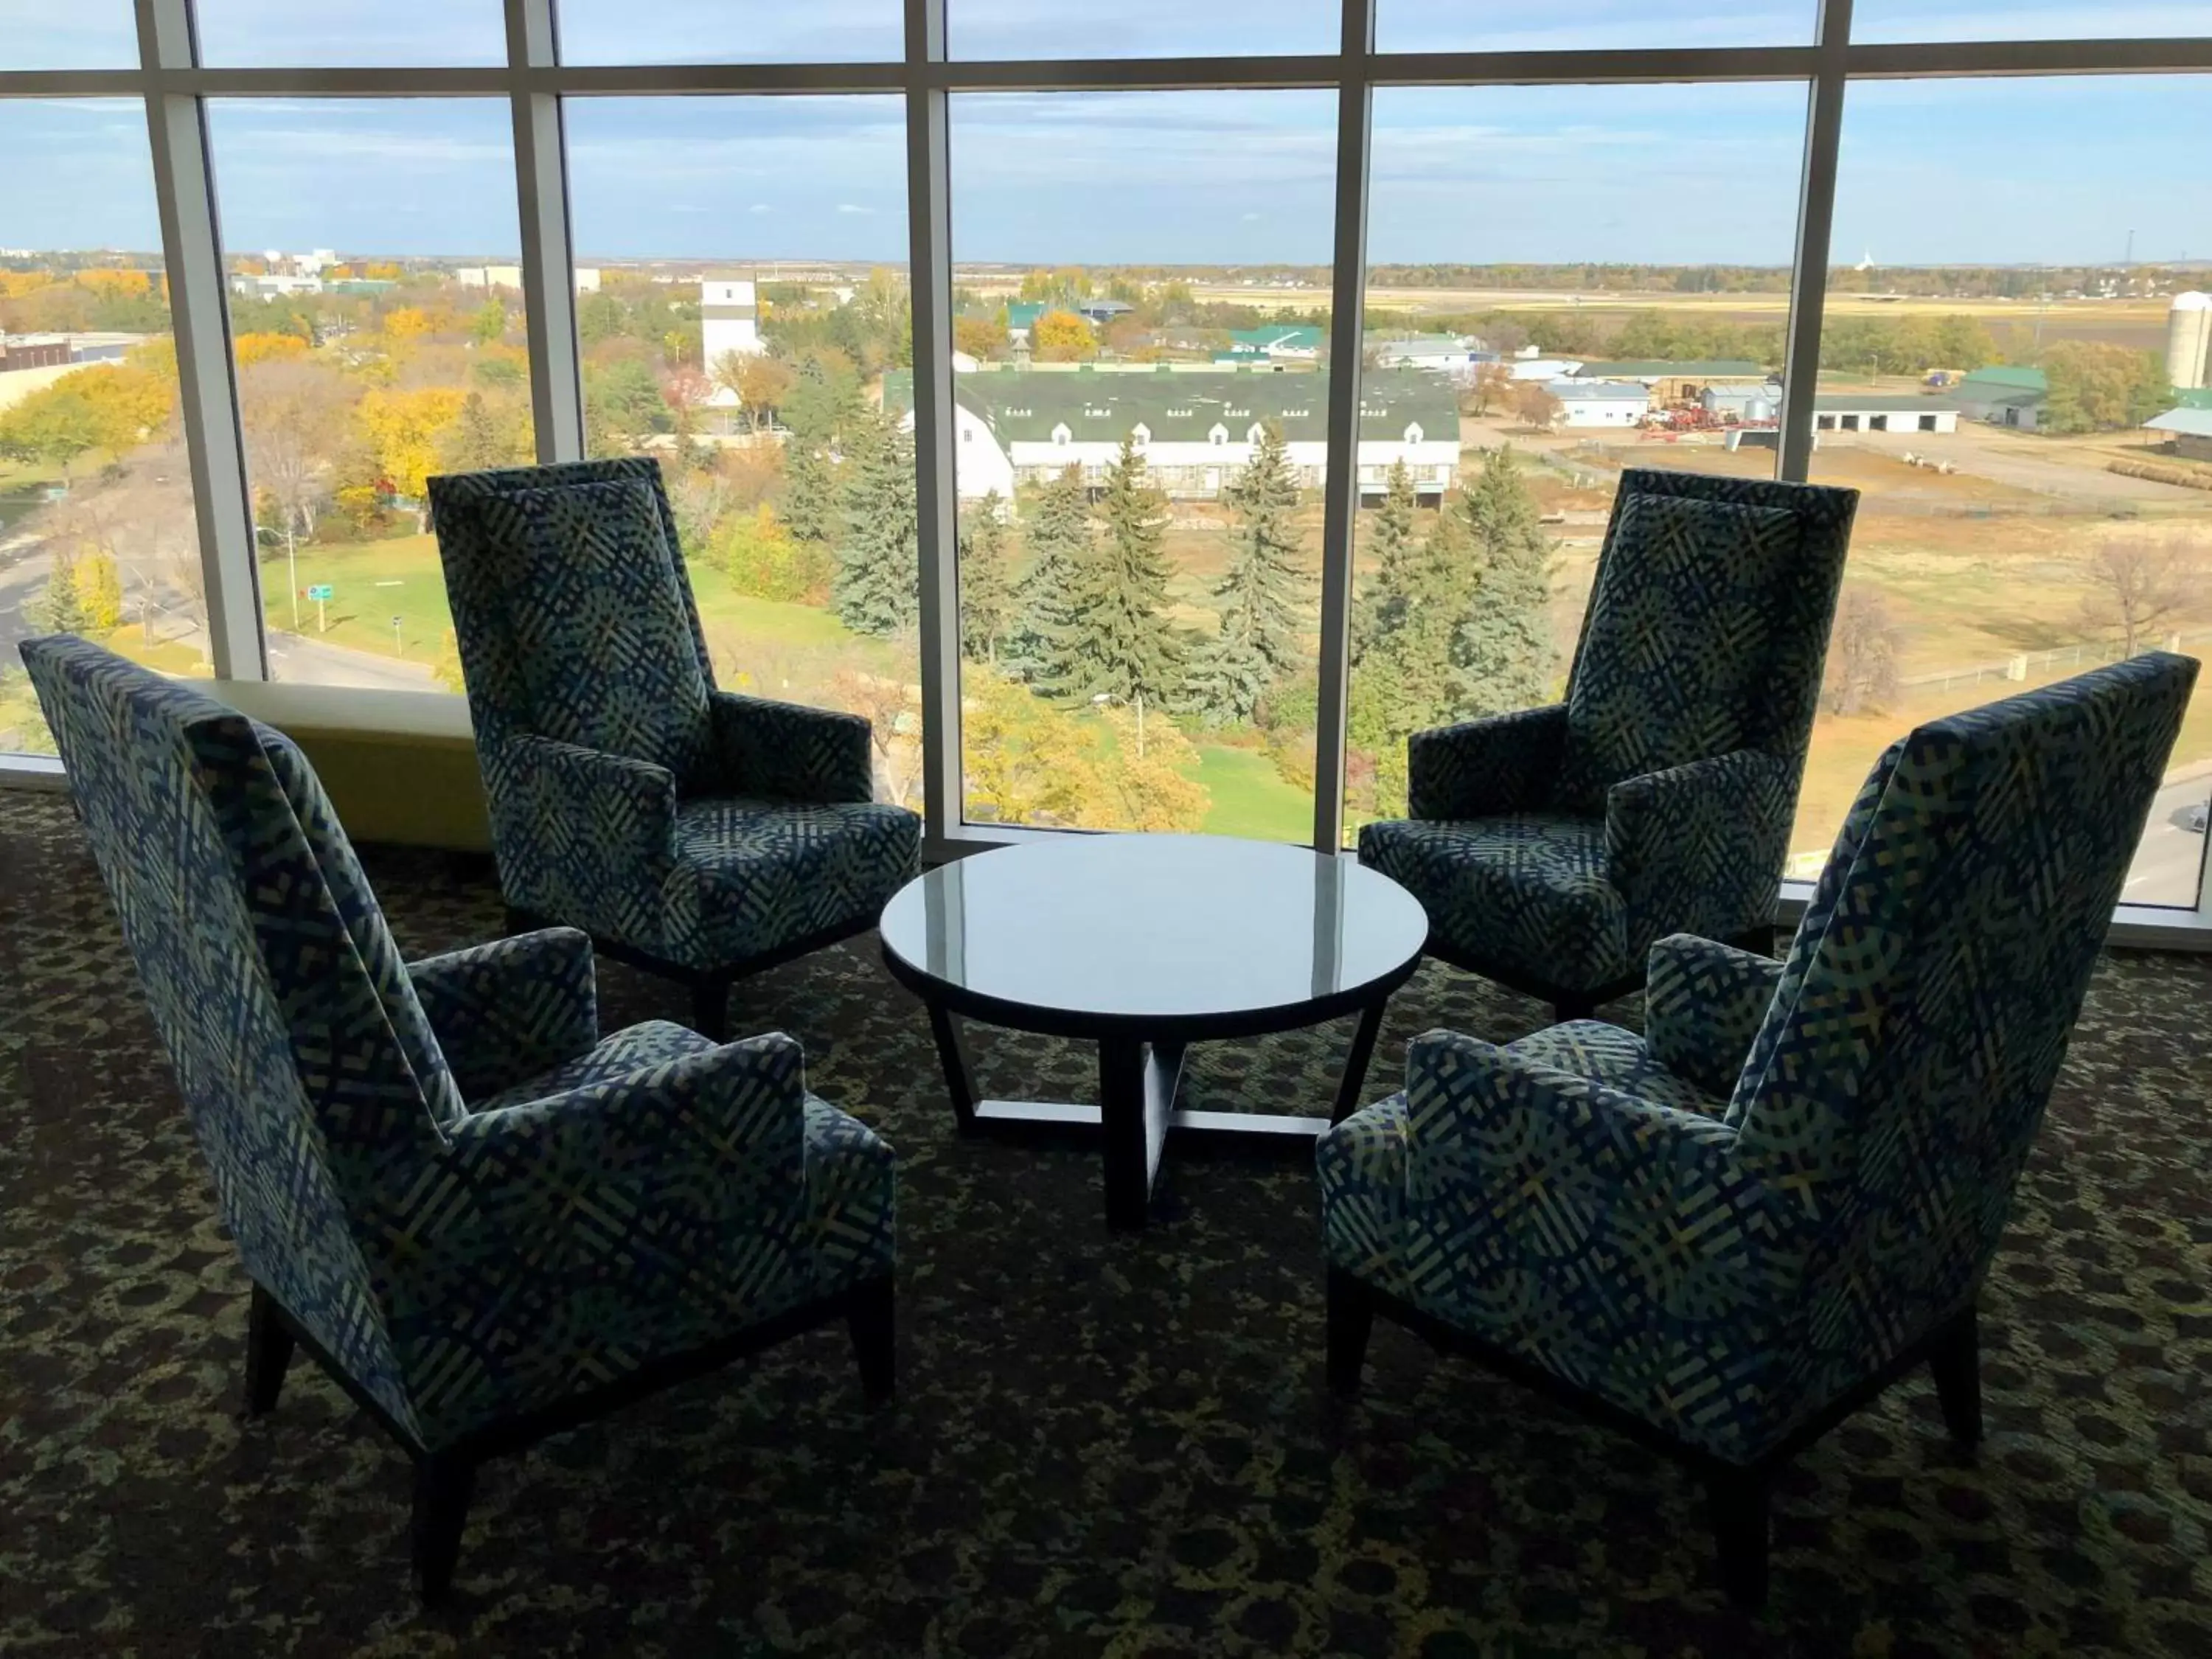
{"points": [[1015, 426]]}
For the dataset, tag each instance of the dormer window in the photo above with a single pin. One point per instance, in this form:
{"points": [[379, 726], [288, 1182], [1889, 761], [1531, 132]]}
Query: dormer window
{"points": [[1141, 433], [1414, 433], [1255, 433], [1219, 436], [1061, 435]]}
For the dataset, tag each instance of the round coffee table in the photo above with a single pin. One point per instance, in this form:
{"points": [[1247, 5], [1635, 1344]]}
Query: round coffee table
{"points": [[1145, 944]]}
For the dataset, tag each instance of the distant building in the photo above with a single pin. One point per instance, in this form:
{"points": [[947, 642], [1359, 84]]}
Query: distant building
{"points": [[1455, 355], [1099, 313], [1850, 411], [1021, 317], [2003, 396], [1600, 402], [2192, 430], [729, 325], [1673, 383], [510, 277], [1544, 369], [1298, 342], [1017, 426], [21, 352], [1740, 401], [272, 285]]}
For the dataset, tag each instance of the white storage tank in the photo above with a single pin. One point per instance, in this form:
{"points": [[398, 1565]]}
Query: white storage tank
{"points": [[2189, 340]]}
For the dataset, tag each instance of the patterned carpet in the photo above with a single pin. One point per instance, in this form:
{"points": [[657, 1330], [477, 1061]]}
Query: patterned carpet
{"points": [[1101, 1446]]}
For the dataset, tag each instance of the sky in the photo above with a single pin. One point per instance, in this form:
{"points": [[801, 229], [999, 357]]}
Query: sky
{"points": [[97, 33], [2002, 171]]}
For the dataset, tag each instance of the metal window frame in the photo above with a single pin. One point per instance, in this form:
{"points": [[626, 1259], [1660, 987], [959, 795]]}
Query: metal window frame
{"points": [[172, 85]]}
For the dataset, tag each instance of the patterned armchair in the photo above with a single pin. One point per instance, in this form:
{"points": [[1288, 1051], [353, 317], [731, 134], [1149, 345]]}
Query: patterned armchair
{"points": [[1727, 1235], [695, 833], [485, 1220], [1552, 846]]}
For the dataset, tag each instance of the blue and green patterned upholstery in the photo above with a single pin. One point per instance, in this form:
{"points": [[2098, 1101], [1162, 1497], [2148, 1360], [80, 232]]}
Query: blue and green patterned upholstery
{"points": [[629, 797], [1725, 1247], [1671, 769], [472, 1202]]}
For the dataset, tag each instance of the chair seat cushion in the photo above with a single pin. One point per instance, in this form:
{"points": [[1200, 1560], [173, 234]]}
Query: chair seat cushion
{"points": [[753, 876], [655, 1042], [1620, 1059], [1527, 893]]}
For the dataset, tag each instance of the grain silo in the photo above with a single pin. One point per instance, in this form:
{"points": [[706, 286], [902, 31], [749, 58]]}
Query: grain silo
{"points": [[2189, 340]]}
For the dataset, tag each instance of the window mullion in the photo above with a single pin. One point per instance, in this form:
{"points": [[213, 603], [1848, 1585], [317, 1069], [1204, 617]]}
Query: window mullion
{"points": [[549, 287], [1341, 495], [191, 255], [1816, 211], [936, 504]]}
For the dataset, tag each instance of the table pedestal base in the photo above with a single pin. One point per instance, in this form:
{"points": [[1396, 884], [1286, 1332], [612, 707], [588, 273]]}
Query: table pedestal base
{"points": [[1138, 1082]]}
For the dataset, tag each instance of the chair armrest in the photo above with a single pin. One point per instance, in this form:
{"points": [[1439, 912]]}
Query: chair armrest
{"points": [[504, 1013], [1532, 1180], [685, 1179], [1501, 764], [1699, 848], [583, 836], [1704, 1002], [787, 752]]}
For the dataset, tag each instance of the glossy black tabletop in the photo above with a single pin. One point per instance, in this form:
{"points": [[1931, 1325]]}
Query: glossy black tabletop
{"points": [[1187, 931]]}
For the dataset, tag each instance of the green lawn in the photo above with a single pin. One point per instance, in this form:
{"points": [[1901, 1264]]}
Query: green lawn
{"points": [[1251, 797], [371, 583]]}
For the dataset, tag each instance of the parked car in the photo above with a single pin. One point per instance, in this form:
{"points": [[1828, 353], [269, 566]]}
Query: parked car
{"points": [[2193, 817]]}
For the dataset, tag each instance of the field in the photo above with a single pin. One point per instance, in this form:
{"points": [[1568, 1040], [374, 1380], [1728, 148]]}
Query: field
{"points": [[2140, 324]]}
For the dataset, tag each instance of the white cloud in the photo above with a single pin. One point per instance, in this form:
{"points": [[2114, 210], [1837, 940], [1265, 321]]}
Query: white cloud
{"points": [[853, 207]]}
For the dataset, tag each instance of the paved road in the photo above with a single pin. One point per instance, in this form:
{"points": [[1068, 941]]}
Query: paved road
{"points": [[2167, 864], [302, 660]]}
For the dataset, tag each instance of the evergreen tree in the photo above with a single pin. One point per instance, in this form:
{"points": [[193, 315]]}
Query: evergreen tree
{"points": [[823, 411], [61, 608], [1258, 639], [1041, 647], [1503, 655], [1382, 601], [876, 586], [987, 592], [1124, 646]]}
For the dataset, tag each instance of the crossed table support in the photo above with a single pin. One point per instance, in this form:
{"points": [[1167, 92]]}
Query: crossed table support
{"points": [[1145, 944]]}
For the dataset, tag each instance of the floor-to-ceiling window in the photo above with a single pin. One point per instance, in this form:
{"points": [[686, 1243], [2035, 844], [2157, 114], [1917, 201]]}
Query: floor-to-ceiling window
{"points": [[1099, 399]]}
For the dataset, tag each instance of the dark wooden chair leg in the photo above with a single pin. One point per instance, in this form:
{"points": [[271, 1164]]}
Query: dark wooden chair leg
{"points": [[442, 1489], [1955, 1357], [267, 1351], [710, 1009], [873, 1321], [1740, 1532], [1351, 1319]]}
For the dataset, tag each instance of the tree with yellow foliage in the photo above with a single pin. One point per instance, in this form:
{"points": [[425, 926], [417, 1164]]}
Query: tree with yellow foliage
{"points": [[267, 348], [1061, 337], [99, 593], [407, 323], [404, 430]]}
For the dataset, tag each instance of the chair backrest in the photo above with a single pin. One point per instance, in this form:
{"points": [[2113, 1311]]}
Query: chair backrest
{"points": [[1706, 628], [308, 1071], [1892, 1096], [573, 609]]}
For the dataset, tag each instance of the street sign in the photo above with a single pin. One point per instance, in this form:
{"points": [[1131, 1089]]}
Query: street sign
{"points": [[321, 590]]}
